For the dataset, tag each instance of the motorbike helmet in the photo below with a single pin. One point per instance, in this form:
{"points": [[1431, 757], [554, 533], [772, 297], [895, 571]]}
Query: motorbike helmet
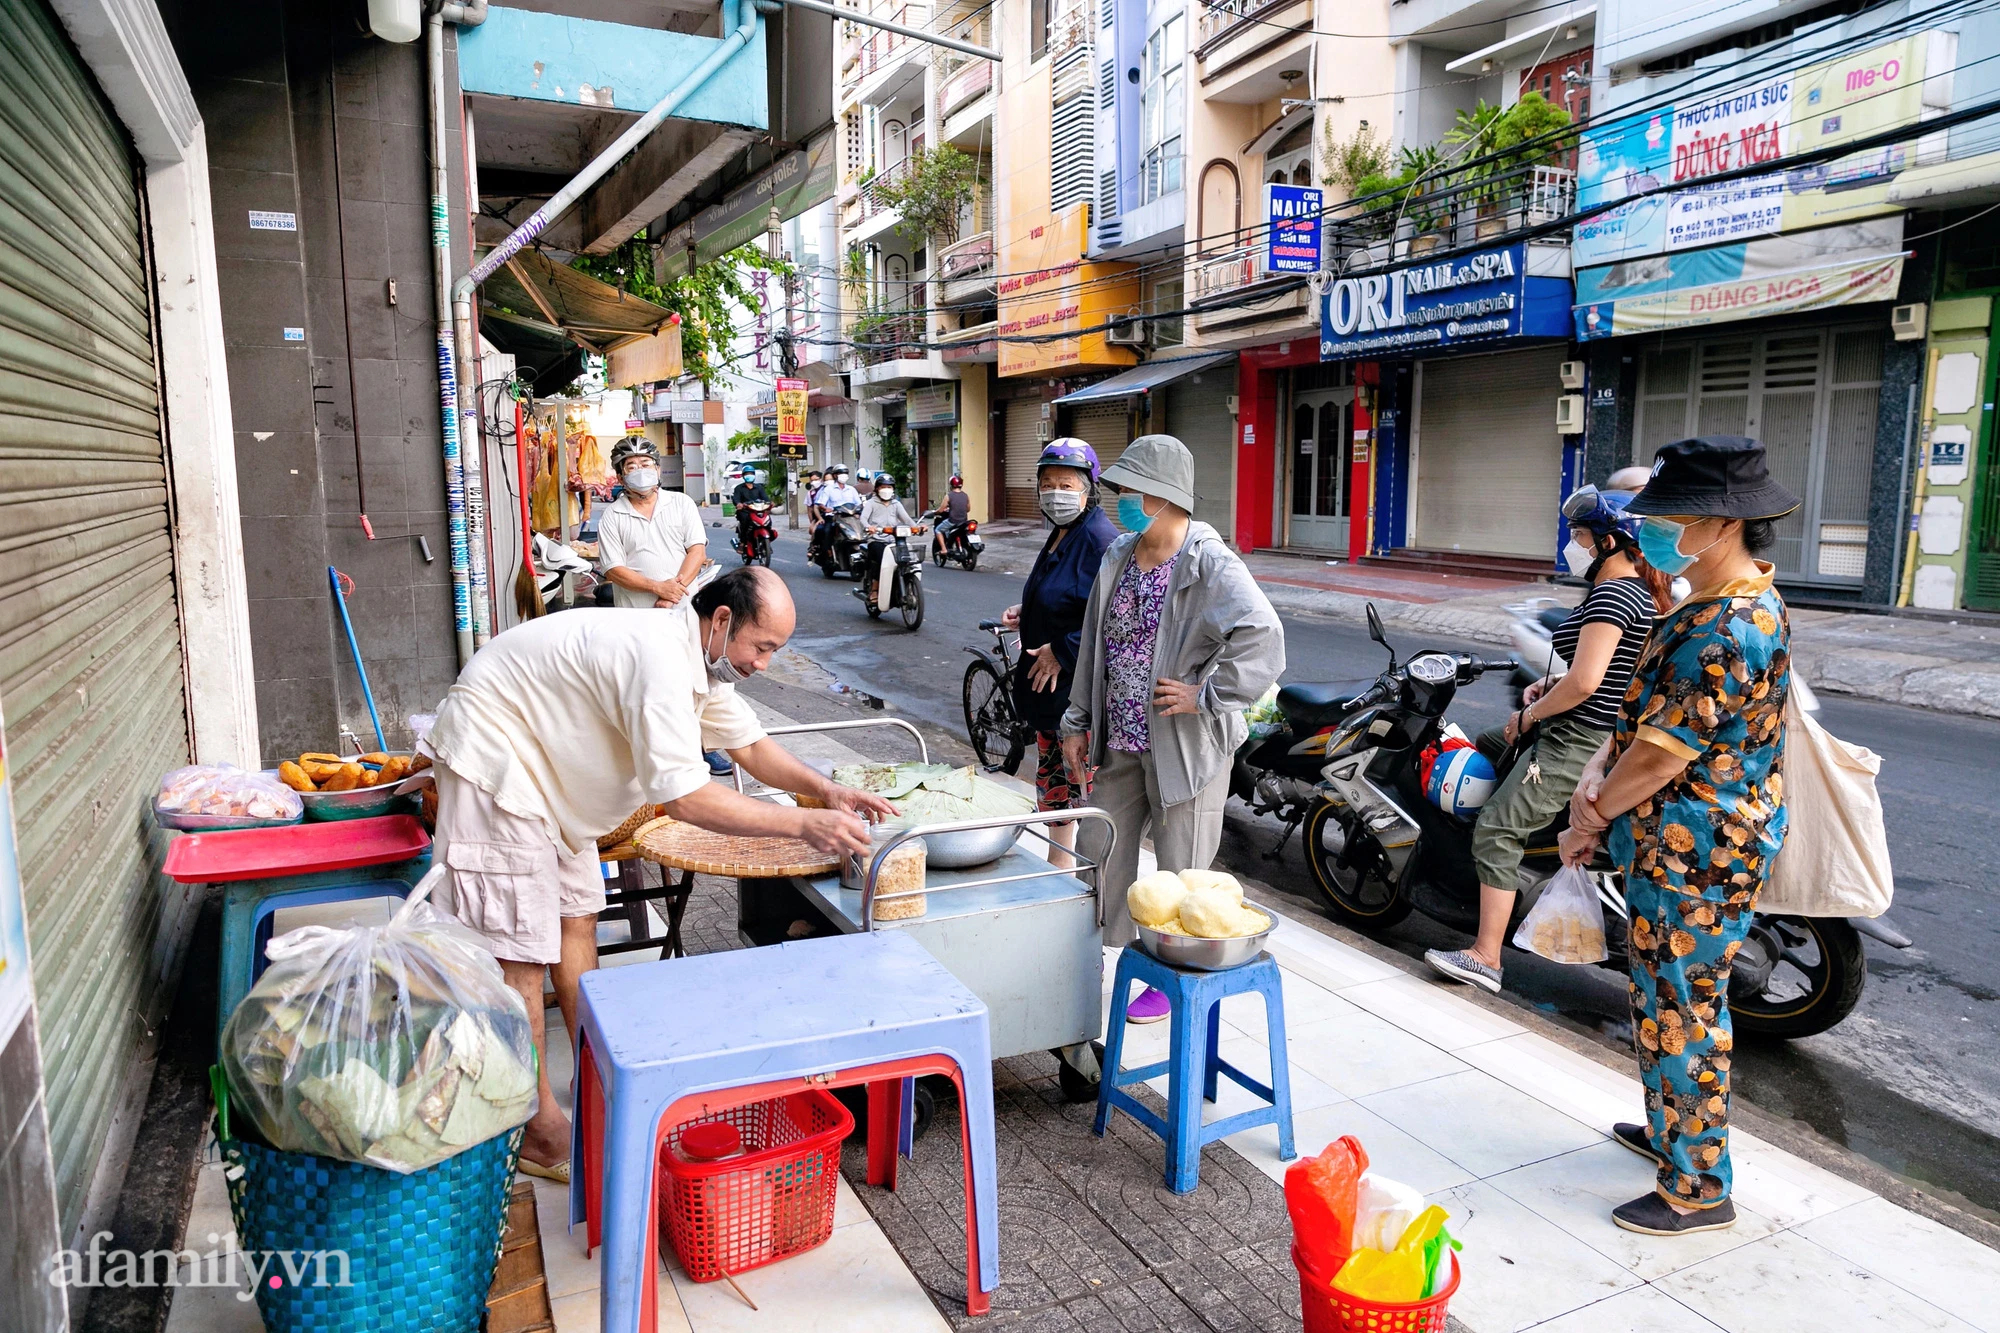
{"points": [[1069, 452], [627, 448], [958, 483], [1460, 781], [1602, 512], [884, 479]]}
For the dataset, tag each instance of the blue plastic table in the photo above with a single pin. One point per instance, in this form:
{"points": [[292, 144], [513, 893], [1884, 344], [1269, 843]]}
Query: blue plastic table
{"points": [[667, 1042]]}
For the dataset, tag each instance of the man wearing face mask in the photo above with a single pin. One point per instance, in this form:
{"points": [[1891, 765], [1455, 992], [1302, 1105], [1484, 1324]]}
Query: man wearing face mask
{"points": [[836, 491], [650, 542], [559, 729]]}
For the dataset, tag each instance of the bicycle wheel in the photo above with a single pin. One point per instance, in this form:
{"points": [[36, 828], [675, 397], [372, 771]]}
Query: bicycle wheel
{"points": [[989, 713]]}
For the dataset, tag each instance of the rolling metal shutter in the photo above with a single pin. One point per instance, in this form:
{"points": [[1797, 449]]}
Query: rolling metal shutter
{"points": [[1107, 428], [1024, 448], [90, 654], [1489, 461], [1198, 416]]}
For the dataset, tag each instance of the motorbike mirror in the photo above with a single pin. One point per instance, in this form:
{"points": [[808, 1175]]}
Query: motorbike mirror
{"points": [[1376, 633]]}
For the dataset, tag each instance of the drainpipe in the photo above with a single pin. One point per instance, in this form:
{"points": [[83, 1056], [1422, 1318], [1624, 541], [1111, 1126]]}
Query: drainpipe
{"points": [[462, 544], [469, 500]]}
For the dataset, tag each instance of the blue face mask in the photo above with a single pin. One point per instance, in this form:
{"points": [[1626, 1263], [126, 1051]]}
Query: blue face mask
{"points": [[1132, 513], [1660, 543]]}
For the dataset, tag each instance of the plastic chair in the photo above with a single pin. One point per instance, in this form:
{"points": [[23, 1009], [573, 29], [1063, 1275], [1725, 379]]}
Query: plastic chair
{"points": [[300, 865], [666, 1042], [1195, 1059]]}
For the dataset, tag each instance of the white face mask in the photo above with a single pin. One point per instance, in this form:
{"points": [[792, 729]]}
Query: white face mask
{"points": [[885, 492], [1579, 558], [1062, 508], [642, 479], [720, 669]]}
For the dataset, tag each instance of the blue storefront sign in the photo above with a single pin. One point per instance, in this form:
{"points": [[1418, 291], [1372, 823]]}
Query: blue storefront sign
{"points": [[1291, 212], [1483, 297]]}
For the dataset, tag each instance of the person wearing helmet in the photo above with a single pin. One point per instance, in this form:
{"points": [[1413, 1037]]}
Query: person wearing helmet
{"points": [[1049, 617], [1564, 719], [835, 491], [650, 543], [749, 491], [882, 510]]}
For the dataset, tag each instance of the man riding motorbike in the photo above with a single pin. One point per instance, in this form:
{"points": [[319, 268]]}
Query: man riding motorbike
{"points": [[748, 491], [836, 491], [953, 512], [1563, 721]]}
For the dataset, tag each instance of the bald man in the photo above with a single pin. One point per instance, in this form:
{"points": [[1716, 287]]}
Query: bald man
{"points": [[559, 729]]}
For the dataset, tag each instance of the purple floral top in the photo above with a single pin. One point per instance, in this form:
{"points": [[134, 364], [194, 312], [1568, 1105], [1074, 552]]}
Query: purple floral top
{"points": [[1130, 627]]}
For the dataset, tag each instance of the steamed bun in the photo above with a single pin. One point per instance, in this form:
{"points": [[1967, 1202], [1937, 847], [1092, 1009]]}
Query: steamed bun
{"points": [[1212, 879], [1212, 914], [1154, 900]]}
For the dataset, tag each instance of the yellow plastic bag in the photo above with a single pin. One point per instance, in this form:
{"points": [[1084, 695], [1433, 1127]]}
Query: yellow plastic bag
{"points": [[1398, 1276]]}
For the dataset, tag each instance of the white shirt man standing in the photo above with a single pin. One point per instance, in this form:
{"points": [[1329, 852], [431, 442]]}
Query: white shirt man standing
{"points": [[650, 543], [558, 730]]}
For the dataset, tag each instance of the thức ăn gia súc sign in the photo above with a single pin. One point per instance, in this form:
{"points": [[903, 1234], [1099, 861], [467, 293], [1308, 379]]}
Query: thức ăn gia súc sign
{"points": [[1475, 298]]}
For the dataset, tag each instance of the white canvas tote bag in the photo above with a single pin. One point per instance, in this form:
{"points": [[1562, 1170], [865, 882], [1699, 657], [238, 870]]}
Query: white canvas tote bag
{"points": [[1835, 861]]}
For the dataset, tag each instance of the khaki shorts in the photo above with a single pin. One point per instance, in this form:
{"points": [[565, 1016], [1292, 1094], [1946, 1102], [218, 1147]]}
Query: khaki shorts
{"points": [[507, 881]]}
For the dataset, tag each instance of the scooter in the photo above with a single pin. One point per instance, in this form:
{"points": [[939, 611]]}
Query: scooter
{"points": [[761, 533], [894, 576], [845, 545], [1347, 765], [958, 543]]}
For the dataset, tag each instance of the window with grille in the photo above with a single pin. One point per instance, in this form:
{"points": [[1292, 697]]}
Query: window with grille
{"points": [[1160, 98]]}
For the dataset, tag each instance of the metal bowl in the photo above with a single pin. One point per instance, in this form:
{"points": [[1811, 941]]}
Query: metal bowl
{"points": [[1205, 955], [972, 847]]}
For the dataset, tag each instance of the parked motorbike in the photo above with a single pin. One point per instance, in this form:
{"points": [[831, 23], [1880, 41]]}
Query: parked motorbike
{"points": [[845, 545], [1347, 765], [894, 576], [754, 542], [958, 543]]}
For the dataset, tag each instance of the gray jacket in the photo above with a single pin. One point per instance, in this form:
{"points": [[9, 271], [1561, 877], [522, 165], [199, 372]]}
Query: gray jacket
{"points": [[1218, 629]]}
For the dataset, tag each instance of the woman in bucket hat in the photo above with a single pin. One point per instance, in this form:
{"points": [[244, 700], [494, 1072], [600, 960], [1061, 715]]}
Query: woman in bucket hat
{"points": [[1690, 792], [1177, 641]]}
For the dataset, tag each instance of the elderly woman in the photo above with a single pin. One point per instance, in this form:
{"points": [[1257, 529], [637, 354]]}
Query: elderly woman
{"points": [[1177, 641], [1050, 616], [1690, 791]]}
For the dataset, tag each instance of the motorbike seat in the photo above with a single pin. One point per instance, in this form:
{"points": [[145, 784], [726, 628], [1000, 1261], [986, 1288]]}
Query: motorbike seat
{"points": [[1308, 707]]}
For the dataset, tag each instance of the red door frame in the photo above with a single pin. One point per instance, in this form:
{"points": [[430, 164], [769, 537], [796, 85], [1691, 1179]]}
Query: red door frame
{"points": [[1258, 380]]}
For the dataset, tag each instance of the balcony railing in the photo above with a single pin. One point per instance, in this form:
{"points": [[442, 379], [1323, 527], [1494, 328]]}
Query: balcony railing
{"points": [[879, 49], [873, 199], [896, 338], [1219, 16], [1459, 214], [967, 258], [1070, 29], [964, 85]]}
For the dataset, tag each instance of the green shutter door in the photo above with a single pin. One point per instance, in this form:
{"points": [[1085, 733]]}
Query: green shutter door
{"points": [[90, 656]]}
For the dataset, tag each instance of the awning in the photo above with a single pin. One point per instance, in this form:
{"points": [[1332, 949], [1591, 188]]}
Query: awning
{"points": [[1271, 135], [1535, 38], [1142, 379], [546, 357], [595, 314]]}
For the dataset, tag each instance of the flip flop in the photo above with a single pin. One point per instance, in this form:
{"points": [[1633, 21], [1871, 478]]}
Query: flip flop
{"points": [[559, 1173]]}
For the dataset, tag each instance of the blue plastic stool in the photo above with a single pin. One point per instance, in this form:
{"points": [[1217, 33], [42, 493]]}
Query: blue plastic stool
{"points": [[1196, 1059], [663, 1043], [248, 907]]}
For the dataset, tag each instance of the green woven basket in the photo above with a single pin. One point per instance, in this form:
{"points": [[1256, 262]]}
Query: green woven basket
{"points": [[421, 1249]]}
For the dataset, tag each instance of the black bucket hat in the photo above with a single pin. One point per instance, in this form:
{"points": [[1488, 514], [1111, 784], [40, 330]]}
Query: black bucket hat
{"points": [[1713, 476]]}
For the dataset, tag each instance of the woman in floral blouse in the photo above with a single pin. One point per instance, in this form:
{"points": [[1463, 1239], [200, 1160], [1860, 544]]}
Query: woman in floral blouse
{"points": [[1690, 792]]}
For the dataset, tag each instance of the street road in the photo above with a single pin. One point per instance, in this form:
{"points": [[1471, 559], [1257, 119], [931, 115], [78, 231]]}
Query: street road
{"points": [[1911, 1080]]}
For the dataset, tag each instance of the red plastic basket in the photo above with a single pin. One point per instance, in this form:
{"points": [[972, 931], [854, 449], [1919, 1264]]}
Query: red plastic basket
{"points": [[773, 1201], [1329, 1311]]}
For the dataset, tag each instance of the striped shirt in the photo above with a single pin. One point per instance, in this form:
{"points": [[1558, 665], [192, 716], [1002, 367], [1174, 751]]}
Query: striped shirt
{"points": [[1628, 604]]}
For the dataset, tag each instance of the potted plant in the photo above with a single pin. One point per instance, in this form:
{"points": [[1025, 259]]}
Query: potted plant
{"points": [[933, 191]]}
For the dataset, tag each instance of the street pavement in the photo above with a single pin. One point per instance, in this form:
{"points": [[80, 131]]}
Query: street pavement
{"points": [[1911, 1080]]}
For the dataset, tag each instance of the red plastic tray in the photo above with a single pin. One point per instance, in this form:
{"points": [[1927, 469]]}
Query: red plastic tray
{"points": [[297, 849]]}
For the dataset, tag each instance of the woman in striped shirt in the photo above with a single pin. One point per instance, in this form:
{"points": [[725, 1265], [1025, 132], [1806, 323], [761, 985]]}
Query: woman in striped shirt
{"points": [[1567, 717]]}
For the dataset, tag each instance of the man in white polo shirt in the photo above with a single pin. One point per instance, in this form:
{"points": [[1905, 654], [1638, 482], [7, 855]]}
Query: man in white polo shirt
{"points": [[650, 542], [559, 729]]}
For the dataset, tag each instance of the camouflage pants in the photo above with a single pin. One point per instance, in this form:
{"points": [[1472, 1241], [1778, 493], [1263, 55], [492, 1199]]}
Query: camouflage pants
{"points": [[1681, 950]]}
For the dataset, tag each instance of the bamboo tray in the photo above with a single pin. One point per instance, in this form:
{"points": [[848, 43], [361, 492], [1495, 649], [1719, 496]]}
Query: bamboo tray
{"points": [[668, 842]]}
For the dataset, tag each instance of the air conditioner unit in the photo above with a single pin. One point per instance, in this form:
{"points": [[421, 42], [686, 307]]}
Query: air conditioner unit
{"points": [[1126, 331], [1044, 431], [1572, 374], [1908, 322], [1569, 414]]}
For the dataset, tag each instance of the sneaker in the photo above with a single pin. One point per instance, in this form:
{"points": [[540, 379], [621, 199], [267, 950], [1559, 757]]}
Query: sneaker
{"points": [[1639, 1141], [1151, 1006], [1461, 965], [718, 763], [1651, 1215]]}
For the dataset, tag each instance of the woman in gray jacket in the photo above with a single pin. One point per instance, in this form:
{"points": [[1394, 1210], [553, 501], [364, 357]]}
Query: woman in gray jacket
{"points": [[1177, 641]]}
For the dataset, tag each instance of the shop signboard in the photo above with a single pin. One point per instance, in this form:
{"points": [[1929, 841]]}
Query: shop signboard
{"points": [[1475, 298], [1765, 121], [1775, 275], [791, 396], [932, 405], [1291, 215], [792, 184]]}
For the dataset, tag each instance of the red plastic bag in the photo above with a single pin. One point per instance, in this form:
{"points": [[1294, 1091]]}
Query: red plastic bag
{"points": [[1322, 1194], [1432, 753]]}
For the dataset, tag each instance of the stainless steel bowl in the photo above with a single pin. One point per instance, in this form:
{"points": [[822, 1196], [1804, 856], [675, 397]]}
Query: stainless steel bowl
{"points": [[1205, 955], [972, 847]]}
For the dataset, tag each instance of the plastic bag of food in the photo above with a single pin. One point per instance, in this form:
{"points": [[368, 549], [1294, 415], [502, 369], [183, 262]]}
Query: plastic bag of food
{"points": [[1264, 717], [397, 1046], [1401, 1275], [1322, 1194], [1566, 924], [1384, 1211], [224, 789]]}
